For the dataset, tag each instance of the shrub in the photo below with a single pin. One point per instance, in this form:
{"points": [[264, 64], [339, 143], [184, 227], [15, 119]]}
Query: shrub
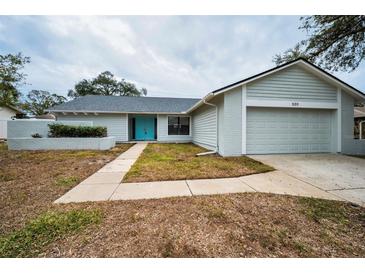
{"points": [[59, 130], [36, 135]]}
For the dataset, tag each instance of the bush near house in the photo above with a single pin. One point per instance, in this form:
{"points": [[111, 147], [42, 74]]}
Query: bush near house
{"points": [[59, 130]]}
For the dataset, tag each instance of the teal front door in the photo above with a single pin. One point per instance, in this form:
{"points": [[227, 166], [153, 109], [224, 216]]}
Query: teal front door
{"points": [[145, 128]]}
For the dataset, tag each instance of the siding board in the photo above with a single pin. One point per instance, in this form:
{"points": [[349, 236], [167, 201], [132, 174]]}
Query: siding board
{"points": [[293, 83], [232, 122], [205, 127]]}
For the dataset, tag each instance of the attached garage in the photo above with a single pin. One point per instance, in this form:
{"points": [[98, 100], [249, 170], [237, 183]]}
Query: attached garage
{"points": [[285, 130]]}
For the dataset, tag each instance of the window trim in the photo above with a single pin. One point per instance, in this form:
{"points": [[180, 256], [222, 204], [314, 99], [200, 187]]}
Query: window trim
{"points": [[190, 125]]}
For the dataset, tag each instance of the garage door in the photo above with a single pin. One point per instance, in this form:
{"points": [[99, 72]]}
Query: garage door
{"points": [[281, 130]]}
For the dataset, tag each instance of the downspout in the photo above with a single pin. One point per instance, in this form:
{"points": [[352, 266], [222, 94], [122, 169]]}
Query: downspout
{"points": [[217, 142]]}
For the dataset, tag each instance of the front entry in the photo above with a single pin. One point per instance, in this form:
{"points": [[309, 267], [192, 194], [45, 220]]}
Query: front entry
{"points": [[144, 128]]}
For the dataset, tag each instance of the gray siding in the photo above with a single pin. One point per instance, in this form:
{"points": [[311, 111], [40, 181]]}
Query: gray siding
{"points": [[117, 124], [292, 83], [349, 144], [205, 127], [232, 124], [162, 131]]}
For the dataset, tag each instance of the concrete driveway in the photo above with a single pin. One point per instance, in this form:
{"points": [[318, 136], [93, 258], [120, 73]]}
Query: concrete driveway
{"points": [[341, 175]]}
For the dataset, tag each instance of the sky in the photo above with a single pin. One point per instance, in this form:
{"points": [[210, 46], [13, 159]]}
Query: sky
{"points": [[171, 56]]}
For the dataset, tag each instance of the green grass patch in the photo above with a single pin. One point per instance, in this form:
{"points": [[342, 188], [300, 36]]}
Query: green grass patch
{"points": [[3, 146], [160, 162], [6, 176], [318, 210], [302, 248], [67, 181], [45, 229]]}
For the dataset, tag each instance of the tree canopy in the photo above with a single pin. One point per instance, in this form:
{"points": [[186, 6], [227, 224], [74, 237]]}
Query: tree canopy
{"points": [[105, 84], [336, 42], [11, 77], [37, 101]]}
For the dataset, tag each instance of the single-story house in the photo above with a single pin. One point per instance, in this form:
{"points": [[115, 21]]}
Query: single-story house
{"points": [[293, 108], [7, 112], [359, 116]]}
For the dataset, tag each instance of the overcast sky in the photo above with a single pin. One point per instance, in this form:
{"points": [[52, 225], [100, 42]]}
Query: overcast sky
{"points": [[175, 56]]}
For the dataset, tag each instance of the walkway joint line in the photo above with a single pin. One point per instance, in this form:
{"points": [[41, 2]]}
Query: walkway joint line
{"points": [[187, 184]]}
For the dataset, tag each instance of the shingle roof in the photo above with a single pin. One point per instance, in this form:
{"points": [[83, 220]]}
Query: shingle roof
{"points": [[359, 112], [97, 103]]}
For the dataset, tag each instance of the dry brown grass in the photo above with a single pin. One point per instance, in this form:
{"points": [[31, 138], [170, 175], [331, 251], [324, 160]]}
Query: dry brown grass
{"points": [[31, 180], [239, 225], [160, 162]]}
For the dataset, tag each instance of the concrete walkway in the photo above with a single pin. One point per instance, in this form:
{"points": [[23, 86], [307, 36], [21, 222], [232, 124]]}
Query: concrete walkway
{"points": [[273, 182], [105, 185], [340, 175], [101, 185]]}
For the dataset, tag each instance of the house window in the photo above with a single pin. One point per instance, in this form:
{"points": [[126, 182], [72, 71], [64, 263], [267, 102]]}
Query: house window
{"points": [[178, 125]]}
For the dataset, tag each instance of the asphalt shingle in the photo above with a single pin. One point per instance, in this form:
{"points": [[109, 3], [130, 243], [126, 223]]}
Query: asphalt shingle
{"points": [[95, 103]]}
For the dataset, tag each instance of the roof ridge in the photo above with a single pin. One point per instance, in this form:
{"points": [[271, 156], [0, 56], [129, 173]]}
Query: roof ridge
{"points": [[157, 97]]}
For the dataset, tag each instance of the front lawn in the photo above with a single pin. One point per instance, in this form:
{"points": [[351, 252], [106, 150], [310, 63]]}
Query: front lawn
{"points": [[232, 225], [160, 162], [31, 180]]}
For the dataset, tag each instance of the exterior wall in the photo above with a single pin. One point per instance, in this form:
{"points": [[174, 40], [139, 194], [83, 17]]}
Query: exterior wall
{"points": [[61, 143], [6, 113], [232, 123], [293, 83], [117, 124], [204, 124], [219, 101], [24, 128], [348, 143], [162, 131]]}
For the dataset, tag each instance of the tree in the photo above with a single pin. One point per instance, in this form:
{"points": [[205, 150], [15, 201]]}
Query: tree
{"points": [[38, 101], [336, 42], [105, 84], [11, 77]]}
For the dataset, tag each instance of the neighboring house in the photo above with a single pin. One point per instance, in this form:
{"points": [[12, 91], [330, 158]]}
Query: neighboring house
{"points": [[293, 108], [359, 116], [6, 113]]}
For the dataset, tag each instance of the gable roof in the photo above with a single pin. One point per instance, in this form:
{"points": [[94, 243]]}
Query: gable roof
{"points": [[11, 107], [300, 61], [125, 104]]}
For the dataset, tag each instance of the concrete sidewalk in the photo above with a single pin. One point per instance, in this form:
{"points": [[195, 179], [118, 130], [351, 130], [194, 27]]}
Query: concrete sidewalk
{"points": [[106, 184], [272, 182], [101, 185]]}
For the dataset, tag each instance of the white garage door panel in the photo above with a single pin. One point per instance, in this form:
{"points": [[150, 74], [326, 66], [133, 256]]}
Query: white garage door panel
{"points": [[279, 130]]}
